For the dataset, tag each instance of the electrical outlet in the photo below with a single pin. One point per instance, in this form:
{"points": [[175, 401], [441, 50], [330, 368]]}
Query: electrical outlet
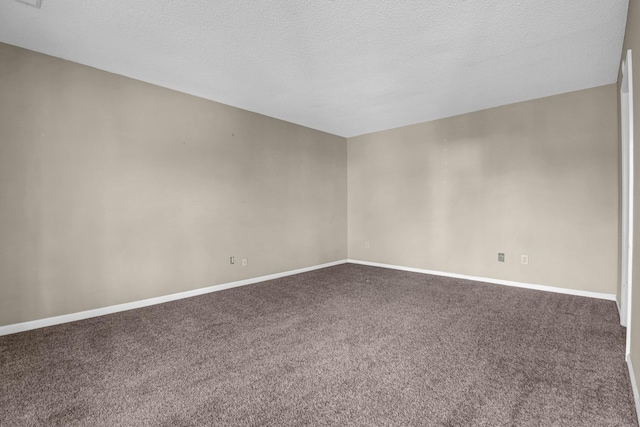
{"points": [[500, 257], [524, 259], [232, 260], [245, 262]]}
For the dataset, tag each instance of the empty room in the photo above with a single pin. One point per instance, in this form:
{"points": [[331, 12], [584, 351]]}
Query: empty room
{"points": [[308, 213]]}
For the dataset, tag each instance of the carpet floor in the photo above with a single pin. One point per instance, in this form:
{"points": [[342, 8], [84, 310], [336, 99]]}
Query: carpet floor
{"points": [[349, 345]]}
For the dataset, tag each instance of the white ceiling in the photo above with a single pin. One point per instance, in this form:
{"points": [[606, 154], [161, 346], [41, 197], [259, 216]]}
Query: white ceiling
{"points": [[344, 67]]}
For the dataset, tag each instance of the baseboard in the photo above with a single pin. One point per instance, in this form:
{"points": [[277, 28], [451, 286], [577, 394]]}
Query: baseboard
{"points": [[598, 295], [622, 321], [618, 307], [634, 387], [72, 317]]}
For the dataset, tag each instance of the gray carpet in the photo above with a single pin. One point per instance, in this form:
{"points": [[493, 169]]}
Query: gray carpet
{"points": [[349, 345]]}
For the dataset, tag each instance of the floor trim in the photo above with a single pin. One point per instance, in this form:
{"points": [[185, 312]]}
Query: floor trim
{"points": [[634, 387], [72, 317], [598, 295]]}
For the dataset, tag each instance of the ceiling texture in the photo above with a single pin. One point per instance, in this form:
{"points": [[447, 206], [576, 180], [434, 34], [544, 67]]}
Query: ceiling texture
{"points": [[343, 67]]}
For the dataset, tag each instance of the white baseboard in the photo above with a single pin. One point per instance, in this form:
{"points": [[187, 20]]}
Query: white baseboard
{"points": [[622, 320], [72, 317], [610, 297], [618, 307], [634, 387]]}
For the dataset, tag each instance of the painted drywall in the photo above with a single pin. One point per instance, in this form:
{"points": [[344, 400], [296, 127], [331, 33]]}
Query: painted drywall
{"points": [[632, 41], [538, 178], [113, 190]]}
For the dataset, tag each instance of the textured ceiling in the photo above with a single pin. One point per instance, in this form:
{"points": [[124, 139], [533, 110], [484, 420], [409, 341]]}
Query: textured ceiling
{"points": [[344, 67]]}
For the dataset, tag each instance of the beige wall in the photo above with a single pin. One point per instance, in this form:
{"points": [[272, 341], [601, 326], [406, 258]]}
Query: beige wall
{"points": [[632, 41], [113, 190], [538, 178]]}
